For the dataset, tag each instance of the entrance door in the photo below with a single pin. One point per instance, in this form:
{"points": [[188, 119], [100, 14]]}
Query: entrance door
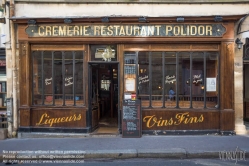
{"points": [[103, 93], [246, 92]]}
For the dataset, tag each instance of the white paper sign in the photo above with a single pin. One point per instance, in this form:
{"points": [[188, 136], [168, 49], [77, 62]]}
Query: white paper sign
{"points": [[127, 96], [130, 84], [211, 84]]}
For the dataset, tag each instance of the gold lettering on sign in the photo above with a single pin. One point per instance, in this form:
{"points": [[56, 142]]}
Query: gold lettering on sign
{"points": [[110, 30], [85, 31], [168, 28], [96, 30], [180, 118], [48, 31], [116, 27], [41, 28], [62, 31], [103, 30], [209, 30], [76, 30], [158, 29], [47, 120], [55, 30], [124, 30], [150, 30], [127, 30]]}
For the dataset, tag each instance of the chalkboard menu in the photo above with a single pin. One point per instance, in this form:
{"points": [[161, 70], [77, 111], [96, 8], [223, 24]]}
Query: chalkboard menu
{"points": [[131, 119]]}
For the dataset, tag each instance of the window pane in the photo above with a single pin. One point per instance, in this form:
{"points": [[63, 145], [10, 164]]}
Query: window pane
{"points": [[184, 80], [197, 80], [157, 75], [58, 89], [79, 78], [47, 75], [212, 80], [143, 78], [129, 73], [69, 76], [170, 79], [37, 77], [103, 52]]}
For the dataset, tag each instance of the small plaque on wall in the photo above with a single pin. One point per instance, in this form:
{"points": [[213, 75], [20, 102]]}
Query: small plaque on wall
{"points": [[211, 84]]}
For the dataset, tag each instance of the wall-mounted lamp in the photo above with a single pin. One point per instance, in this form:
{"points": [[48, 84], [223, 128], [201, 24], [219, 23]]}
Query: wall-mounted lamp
{"points": [[31, 22], [218, 18], [239, 43], [180, 19], [68, 20], [142, 19], [105, 19]]}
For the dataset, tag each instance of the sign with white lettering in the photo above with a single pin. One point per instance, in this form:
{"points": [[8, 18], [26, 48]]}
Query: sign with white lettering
{"points": [[131, 118], [137, 30]]}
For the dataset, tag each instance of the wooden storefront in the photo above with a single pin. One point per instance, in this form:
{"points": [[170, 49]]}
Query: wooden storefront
{"points": [[146, 60]]}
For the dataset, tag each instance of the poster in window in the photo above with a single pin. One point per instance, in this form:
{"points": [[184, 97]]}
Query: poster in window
{"points": [[211, 84], [130, 84]]}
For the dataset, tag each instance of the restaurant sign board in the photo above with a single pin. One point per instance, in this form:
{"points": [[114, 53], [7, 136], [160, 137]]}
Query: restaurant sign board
{"points": [[126, 30]]}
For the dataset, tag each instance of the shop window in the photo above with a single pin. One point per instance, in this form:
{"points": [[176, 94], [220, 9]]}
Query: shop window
{"points": [[143, 78], [157, 78], [174, 79], [57, 78], [169, 80]]}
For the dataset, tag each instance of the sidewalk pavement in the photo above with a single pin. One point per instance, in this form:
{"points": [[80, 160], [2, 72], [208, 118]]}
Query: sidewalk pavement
{"points": [[116, 147]]}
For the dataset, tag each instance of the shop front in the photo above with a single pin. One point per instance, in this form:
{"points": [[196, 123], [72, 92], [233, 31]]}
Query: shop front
{"points": [[74, 77]]}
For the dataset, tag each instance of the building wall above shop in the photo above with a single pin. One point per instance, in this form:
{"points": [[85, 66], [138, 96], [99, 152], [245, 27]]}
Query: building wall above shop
{"points": [[136, 1], [56, 10]]}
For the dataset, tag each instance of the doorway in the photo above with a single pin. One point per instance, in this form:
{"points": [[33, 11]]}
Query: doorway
{"points": [[246, 95], [103, 90]]}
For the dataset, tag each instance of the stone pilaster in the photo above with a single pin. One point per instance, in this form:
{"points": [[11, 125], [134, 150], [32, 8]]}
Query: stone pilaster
{"points": [[238, 87]]}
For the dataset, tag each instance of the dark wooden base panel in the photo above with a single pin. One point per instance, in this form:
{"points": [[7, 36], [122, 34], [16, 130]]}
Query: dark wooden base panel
{"points": [[227, 120], [187, 132], [181, 132], [54, 130]]}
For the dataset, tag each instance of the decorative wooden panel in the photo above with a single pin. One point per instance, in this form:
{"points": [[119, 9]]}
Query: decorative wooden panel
{"points": [[64, 117], [227, 76], [205, 47], [137, 46], [184, 119], [170, 46], [57, 47], [24, 74], [24, 117], [227, 119], [246, 109], [121, 74], [94, 118]]}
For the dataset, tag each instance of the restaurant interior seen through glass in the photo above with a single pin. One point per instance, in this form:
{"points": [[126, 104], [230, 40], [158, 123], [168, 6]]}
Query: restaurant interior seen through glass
{"points": [[164, 79]]}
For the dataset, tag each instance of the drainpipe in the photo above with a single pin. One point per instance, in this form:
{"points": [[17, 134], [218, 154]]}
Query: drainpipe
{"points": [[14, 69]]}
